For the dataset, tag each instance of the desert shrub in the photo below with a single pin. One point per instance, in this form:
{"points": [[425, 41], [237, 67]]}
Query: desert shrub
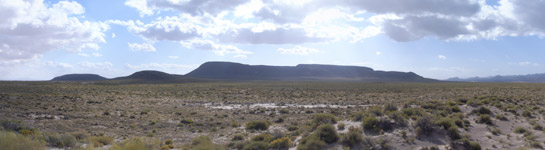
{"points": [[453, 133], [527, 113], [279, 120], [538, 127], [352, 138], [389, 107], [257, 125], [13, 141], [485, 119], [399, 118], [186, 121], [424, 126], [370, 124], [99, 141], [320, 119], [358, 116], [495, 131], [501, 117], [412, 113], [483, 110], [465, 144], [137, 144], [536, 145], [311, 142], [263, 137], [375, 110], [520, 130], [238, 137], [204, 143], [327, 133], [256, 145], [340, 126], [80, 135], [281, 143], [292, 128], [61, 141], [446, 123], [454, 109]]}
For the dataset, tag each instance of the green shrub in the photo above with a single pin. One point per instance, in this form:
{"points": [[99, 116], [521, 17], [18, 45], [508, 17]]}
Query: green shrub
{"points": [[320, 119], [424, 126], [292, 128], [281, 143], [520, 130], [352, 138], [527, 113], [501, 117], [358, 116], [13, 141], [370, 124], [137, 144], [390, 107], [62, 141], [311, 142], [238, 137], [399, 118], [485, 119], [340, 126], [99, 141], [80, 135], [484, 110], [375, 110], [445, 122], [256, 145], [453, 133], [204, 143], [327, 133], [263, 137], [186, 121], [257, 125]]}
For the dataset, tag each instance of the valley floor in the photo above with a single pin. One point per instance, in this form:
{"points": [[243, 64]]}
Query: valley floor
{"points": [[274, 115]]}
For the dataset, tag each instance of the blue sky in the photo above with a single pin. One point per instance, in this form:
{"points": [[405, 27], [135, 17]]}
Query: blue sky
{"points": [[433, 38]]}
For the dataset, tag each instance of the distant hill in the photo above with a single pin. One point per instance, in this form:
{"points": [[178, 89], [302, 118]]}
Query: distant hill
{"points": [[237, 71], [530, 78], [150, 76], [79, 77]]}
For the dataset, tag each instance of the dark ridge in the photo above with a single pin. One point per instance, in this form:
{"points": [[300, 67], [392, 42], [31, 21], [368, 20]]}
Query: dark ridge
{"points": [[79, 77], [530, 78], [237, 71], [150, 76]]}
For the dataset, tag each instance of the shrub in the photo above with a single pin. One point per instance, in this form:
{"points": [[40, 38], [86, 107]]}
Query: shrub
{"points": [[485, 119], [358, 116], [520, 130], [292, 128], [352, 138], [311, 142], [370, 124], [137, 144], [424, 126], [258, 125], [527, 113], [80, 135], [501, 117], [238, 137], [186, 121], [327, 133], [390, 107], [99, 141], [281, 143], [13, 141], [375, 110], [484, 110], [320, 119], [340, 126], [453, 133], [445, 122], [204, 143], [256, 145], [60, 141], [263, 137], [399, 118]]}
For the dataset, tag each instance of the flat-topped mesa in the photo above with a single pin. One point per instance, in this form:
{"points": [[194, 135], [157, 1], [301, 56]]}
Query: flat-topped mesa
{"points": [[237, 71]]}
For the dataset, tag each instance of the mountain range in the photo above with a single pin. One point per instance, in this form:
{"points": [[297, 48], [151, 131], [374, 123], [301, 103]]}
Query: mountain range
{"points": [[530, 78], [213, 71]]}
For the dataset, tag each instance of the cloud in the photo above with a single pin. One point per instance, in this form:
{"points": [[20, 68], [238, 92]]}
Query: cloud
{"points": [[193, 7], [275, 36], [216, 48], [378, 53], [142, 47], [45, 70], [526, 63], [173, 57], [48, 27], [442, 57], [298, 50]]}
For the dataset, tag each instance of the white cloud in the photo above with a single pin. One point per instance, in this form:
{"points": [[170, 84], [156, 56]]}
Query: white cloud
{"points": [[298, 50], [442, 57], [113, 35], [49, 27], [173, 57], [218, 49], [527, 63], [193, 7], [142, 47], [378, 53]]}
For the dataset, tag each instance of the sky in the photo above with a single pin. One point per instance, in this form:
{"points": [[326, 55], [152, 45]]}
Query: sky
{"points": [[41, 39]]}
